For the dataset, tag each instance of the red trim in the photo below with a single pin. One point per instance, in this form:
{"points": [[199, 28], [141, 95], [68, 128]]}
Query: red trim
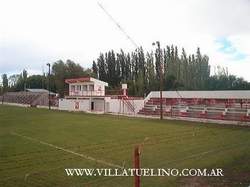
{"points": [[183, 114], [75, 80]]}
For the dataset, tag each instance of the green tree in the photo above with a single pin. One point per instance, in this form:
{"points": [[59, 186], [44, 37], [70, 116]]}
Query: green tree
{"points": [[13, 79], [95, 70], [5, 82]]}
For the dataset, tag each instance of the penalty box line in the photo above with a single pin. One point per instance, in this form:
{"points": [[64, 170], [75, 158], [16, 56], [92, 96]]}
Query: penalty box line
{"points": [[68, 151]]}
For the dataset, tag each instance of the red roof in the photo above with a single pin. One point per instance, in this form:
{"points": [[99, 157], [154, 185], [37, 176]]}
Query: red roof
{"points": [[75, 80]]}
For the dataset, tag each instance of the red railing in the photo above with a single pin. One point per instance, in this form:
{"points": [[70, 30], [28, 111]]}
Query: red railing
{"points": [[126, 101]]}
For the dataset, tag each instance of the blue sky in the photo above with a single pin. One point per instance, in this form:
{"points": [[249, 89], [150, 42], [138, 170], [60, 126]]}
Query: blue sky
{"points": [[34, 33], [228, 48]]}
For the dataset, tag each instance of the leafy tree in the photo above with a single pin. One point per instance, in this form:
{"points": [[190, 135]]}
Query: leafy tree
{"points": [[13, 79], [59, 74], [35, 81], [188, 72], [139, 69], [95, 69], [5, 82]]}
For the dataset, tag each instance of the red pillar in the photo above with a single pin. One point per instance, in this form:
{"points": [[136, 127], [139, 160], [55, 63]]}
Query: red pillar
{"points": [[137, 165]]}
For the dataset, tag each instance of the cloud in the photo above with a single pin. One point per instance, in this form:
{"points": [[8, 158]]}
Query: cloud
{"points": [[229, 49], [18, 56], [224, 17], [36, 32]]}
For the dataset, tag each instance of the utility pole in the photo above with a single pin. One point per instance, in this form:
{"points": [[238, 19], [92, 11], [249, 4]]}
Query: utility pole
{"points": [[48, 64], [161, 75]]}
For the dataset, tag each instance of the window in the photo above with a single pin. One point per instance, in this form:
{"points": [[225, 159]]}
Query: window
{"points": [[91, 87], [72, 88], [84, 87], [78, 88]]}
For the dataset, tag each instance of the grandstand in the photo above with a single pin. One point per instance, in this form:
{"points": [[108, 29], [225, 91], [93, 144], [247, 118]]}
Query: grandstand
{"points": [[218, 105], [31, 97]]}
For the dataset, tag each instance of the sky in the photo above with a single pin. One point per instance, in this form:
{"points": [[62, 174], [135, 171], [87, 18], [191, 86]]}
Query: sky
{"points": [[36, 32]]}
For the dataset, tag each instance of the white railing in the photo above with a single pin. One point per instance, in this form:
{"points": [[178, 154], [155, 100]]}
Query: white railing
{"points": [[87, 93]]}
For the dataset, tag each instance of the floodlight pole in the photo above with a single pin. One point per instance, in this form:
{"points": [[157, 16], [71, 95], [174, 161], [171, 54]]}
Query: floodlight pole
{"points": [[161, 76], [48, 64]]}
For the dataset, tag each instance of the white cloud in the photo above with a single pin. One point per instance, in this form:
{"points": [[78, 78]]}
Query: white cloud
{"points": [[79, 30]]}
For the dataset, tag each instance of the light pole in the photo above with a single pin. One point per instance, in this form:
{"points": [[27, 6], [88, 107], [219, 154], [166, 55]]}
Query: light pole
{"points": [[48, 64], [161, 75]]}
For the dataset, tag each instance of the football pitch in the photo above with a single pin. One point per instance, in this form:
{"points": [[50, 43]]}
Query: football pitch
{"points": [[37, 145]]}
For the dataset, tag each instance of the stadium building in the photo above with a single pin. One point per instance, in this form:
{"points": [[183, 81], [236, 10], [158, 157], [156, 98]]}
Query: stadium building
{"points": [[88, 94]]}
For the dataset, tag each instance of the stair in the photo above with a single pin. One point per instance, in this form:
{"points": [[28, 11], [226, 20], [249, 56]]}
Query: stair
{"points": [[127, 102]]}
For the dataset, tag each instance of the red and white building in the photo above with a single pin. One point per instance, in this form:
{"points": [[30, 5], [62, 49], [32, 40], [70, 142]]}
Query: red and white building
{"points": [[89, 95], [86, 86]]}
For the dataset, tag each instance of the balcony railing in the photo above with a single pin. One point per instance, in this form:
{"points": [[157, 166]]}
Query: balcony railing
{"points": [[87, 93]]}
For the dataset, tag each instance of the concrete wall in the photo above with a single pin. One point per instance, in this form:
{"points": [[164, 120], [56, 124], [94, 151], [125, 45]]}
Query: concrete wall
{"points": [[117, 106], [138, 105], [98, 104], [81, 104], [15, 104], [111, 105], [71, 104]]}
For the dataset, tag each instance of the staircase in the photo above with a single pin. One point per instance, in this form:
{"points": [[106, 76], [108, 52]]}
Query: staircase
{"points": [[126, 101]]}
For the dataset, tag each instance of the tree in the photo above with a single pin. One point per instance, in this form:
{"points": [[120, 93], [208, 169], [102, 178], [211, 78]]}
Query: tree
{"points": [[139, 69], [59, 74], [62, 71], [95, 69], [102, 69], [34, 81], [5, 82], [24, 76], [13, 79]]}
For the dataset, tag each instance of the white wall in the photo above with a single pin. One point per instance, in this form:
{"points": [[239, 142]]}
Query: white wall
{"points": [[98, 104], [69, 104], [117, 106], [15, 104], [84, 104], [138, 104], [111, 105]]}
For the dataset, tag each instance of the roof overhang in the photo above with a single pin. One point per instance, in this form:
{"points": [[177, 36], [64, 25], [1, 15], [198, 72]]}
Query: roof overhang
{"points": [[221, 94], [85, 79], [77, 80]]}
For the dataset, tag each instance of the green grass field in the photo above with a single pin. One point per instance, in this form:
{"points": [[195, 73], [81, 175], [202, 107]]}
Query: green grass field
{"points": [[167, 144]]}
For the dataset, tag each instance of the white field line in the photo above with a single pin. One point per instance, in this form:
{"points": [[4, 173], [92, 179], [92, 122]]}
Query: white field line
{"points": [[69, 151], [205, 153]]}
